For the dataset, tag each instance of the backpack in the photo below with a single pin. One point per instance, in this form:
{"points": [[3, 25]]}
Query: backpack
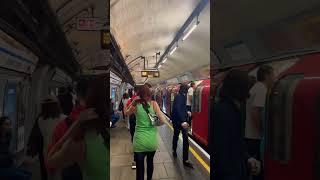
{"points": [[72, 172]]}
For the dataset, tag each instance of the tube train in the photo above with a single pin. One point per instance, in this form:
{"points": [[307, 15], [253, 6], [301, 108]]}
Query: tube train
{"points": [[292, 115], [164, 95], [24, 81]]}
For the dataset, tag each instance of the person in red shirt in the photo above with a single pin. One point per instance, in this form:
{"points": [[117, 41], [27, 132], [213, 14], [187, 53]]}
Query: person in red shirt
{"points": [[63, 126], [132, 119]]}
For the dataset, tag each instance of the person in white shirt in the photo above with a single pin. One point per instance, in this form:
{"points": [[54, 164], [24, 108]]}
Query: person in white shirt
{"points": [[190, 98], [51, 114], [255, 111]]}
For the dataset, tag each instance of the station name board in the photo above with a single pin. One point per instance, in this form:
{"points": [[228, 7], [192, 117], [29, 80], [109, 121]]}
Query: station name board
{"points": [[150, 73]]}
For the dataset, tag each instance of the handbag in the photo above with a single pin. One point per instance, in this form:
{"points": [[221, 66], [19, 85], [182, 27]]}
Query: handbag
{"points": [[155, 121]]}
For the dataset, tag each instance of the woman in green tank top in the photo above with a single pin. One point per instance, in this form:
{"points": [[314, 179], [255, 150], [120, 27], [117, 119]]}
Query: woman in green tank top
{"points": [[145, 138]]}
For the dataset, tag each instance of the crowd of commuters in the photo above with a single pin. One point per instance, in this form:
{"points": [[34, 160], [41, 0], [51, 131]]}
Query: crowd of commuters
{"points": [[71, 139]]}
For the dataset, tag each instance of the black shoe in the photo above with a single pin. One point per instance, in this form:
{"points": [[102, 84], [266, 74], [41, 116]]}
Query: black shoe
{"points": [[188, 164], [174, 154]]}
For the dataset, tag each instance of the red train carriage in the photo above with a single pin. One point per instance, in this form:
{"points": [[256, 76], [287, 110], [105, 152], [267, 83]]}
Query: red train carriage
{"points": [[200, 114], [292, 148]]}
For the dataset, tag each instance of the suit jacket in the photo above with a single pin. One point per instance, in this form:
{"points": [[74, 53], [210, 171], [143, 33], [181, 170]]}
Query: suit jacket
{"points": [[179, 110], [229, 149]]}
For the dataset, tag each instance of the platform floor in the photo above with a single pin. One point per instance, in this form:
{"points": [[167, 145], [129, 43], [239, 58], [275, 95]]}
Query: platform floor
{"points": [[165, 166]]}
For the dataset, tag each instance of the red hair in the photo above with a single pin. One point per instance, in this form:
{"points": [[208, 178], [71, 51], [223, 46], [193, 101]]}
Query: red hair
{"points": [[145, 92]]}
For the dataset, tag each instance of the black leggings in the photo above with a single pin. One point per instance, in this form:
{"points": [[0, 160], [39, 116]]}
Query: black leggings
{"points": [[140, 156]]}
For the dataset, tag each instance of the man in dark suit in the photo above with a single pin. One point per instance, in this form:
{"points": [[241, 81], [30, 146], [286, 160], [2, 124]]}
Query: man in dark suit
{"points": [[181, 123], [231, 160]]}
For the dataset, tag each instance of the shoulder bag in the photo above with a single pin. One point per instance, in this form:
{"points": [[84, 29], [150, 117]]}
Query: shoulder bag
{"points": [[155, 121]]}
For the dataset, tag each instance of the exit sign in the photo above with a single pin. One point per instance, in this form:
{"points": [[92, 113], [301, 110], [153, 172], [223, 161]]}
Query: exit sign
{"points": [[150, 73]]}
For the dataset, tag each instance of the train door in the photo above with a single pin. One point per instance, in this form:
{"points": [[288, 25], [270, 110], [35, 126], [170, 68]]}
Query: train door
{"points": [[3, 84], [289, 131], [10, 110], [196, 109], [24, 94], [200, 122], [317, 144]]}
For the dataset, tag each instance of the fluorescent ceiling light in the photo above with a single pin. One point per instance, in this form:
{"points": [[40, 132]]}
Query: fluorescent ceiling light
{"points": [[173, 50], [189, 32], [164, 60], [159, 66]]}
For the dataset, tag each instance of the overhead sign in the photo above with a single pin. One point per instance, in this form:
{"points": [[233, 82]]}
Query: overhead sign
{"points": [[92, 24], [150, 73], [114, 81]]}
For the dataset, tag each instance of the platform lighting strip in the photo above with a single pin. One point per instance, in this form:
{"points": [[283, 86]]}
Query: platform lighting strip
{"points": [[182, 34], [191, 30], [173, 50], [183, 39]]}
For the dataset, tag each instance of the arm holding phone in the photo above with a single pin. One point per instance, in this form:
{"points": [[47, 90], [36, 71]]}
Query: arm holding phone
{"points": [[131, 108], [68, 149]]}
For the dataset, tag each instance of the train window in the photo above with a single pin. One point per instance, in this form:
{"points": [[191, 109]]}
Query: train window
{"points": [[10, 108], [197, 99], [2, 91], [280, 118]]}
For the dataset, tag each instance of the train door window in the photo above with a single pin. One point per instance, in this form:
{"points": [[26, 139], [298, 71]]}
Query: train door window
{"points": [[197, 99], [10, 107], [2, 94], [280, 118]]}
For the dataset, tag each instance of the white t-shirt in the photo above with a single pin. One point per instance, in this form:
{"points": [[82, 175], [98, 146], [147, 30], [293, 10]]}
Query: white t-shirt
{"points": [[257, 98], [47, 127], [190, 93]]}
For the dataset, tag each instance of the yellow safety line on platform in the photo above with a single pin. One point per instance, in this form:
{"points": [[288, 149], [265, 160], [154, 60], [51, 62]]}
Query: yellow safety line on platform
{"points": [[195, 154]]}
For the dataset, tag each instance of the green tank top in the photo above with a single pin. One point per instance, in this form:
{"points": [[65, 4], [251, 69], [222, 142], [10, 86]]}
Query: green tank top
{"points": [[97, 162], [145, 136]]}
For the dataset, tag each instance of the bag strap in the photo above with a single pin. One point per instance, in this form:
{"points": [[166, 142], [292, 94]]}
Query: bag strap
{"points": [[68, 121], [146, 109]]}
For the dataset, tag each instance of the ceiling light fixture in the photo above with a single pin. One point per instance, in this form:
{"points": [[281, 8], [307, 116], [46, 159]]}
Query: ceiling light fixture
{"points": [[165, 59], [173, 50], [190, 30]]}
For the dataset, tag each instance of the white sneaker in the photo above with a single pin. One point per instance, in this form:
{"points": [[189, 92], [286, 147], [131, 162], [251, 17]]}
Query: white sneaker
{"points": [[133, 165]]}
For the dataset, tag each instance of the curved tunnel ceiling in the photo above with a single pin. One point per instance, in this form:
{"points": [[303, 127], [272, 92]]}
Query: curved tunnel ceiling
{"points": [[85, 44], [144, 27], [232, 19]]}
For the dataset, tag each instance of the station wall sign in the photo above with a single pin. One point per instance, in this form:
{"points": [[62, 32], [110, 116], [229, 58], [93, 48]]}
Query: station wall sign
{"points": [[92, 24]]}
